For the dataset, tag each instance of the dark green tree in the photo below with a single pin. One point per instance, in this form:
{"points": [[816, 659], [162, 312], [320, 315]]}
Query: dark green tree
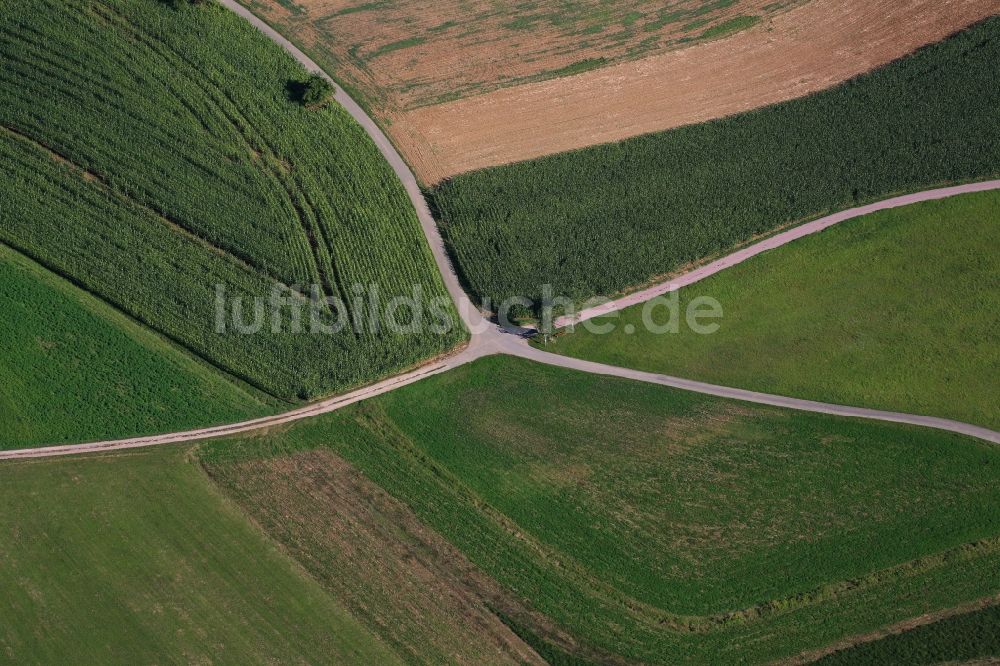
{"points": [[316, 92]]}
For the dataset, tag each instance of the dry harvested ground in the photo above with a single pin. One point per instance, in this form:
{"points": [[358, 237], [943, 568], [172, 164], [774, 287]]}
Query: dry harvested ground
{"points": [[807, 49], [395, 574], [403, 54]]}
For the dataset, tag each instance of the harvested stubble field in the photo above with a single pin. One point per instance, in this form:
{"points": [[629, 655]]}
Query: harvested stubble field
{"points": [[150, 153], [627, 519], [604, 219], [404, 54], [895, 310], [808, 49]]}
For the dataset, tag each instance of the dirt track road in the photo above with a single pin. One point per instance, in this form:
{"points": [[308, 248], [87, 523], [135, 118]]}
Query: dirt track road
{"points": [[769, 244], [487, 338], [495, 341]]}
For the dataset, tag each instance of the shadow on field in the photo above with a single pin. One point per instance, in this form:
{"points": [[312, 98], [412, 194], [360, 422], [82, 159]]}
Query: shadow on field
{"points": [[295, 91]]}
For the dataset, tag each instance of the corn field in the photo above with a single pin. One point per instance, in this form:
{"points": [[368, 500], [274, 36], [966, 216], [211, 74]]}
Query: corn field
{"points": [[150, 152], [601, 220]]}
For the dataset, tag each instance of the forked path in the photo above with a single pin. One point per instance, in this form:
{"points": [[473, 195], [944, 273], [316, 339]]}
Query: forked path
{"points": [[496, 341], [488, 338]]}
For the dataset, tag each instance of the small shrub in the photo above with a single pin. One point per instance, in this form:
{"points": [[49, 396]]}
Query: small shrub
{"points": [[316, 92], [177, 4]]}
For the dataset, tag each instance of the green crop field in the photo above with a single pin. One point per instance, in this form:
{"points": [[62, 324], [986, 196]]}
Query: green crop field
{"points": [[150, 153], [895, 310], [656, 524], [961, 638], [604, 219], [137, 558], [73, 369], [404, 581]]}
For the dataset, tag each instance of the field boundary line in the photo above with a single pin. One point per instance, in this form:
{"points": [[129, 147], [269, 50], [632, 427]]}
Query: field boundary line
{"points": [[98, 181], [167, 339], [896, 629], [744, 395], [772, 242]]}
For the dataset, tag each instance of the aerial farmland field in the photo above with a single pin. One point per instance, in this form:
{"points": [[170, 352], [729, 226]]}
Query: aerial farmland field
{"points": [[968, 636], [280, 381], [645, 522], [807, 319], [129, 557], [98, 374], [405, 55], [463, 85], [599, 221], [201, 171]]}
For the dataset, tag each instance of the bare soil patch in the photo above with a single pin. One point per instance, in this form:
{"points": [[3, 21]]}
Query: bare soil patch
{"points": [[792, 54], [392, 571], [403, 54]]}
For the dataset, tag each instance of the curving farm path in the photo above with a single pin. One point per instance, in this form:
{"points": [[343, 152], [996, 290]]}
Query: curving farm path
{"points": [[770, 243], [488, 338]]}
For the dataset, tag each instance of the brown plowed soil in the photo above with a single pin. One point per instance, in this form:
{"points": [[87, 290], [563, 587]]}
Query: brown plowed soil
{"points": [[807, 49]]}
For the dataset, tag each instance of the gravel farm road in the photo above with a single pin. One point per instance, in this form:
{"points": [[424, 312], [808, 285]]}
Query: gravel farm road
{"points": [[488, 338], [770, 243]]}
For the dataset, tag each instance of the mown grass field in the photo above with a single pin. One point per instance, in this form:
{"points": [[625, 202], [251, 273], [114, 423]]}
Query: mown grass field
{"points": [[665, 526], [601, 220], [75, 369], [137, 558], [960, 638], [895, 310], [150, 153]]}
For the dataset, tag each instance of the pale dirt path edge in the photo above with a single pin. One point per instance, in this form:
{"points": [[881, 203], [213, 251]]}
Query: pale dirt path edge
{"points": [[770, 243], [470, 315], [487, 339]]}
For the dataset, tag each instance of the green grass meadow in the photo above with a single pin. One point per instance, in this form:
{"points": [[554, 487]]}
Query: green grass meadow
{"points": [[604, 219], [73, 369], [895, 310], [137, 558], [665, 526]]}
